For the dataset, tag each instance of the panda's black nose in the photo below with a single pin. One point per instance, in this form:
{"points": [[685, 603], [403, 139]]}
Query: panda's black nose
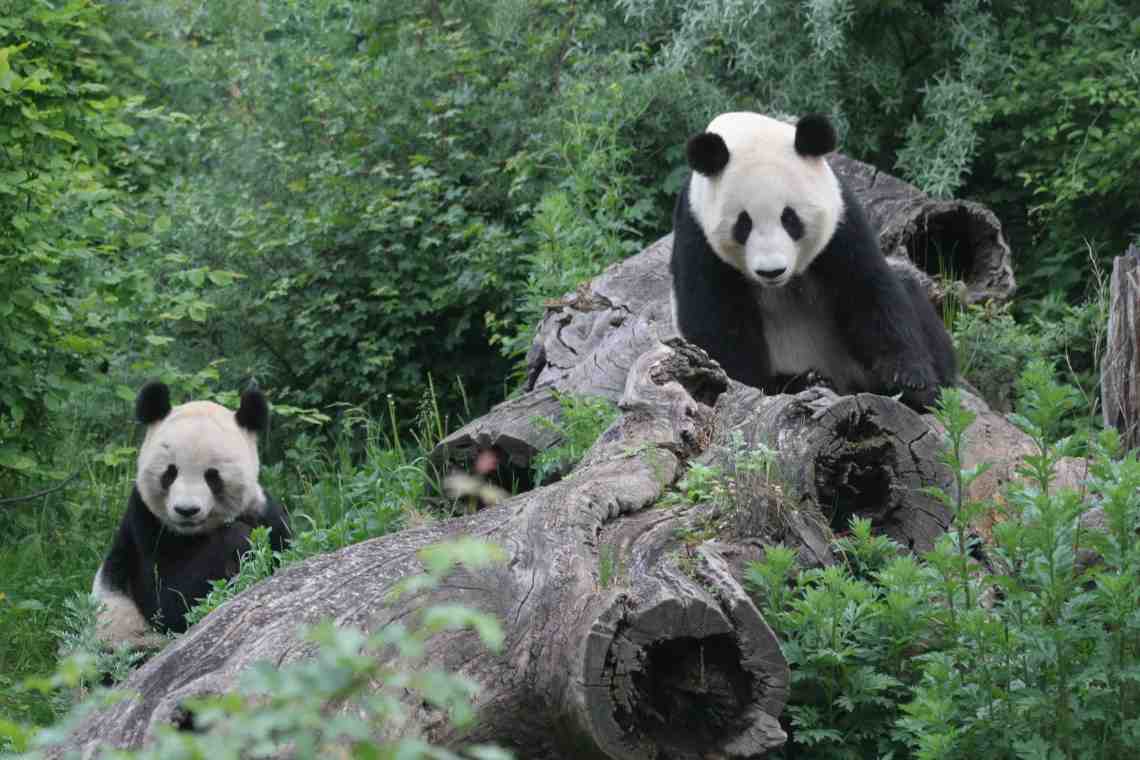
{"points": [[770, 274], [187, 511]]}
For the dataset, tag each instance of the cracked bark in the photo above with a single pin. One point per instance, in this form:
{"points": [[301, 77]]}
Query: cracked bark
{"points": [[588, 671], [593, 669], [1120, 389]]}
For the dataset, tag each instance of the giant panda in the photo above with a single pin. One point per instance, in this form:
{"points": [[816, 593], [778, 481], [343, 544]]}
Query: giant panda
{"points": [[778, 276], [196, 497]]}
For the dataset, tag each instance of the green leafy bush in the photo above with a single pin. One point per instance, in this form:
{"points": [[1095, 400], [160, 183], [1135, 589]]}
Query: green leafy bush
{"points": [[893, 656], [1064, 128]]}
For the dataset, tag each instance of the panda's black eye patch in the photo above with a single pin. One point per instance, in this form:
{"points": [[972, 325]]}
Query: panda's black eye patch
{"points": [[214, 481], [168, 477], [743, 228], [792, 224]]}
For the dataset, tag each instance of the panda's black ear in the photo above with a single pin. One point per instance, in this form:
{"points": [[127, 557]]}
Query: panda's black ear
{"points": [[253, 414], [152, 403], [707, 153], [815, 136]]}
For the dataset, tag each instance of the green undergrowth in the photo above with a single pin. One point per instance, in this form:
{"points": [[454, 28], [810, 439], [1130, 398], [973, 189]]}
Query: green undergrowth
{"points": [[1032, 653], [329, 705], [343, 481], [582, 419]]}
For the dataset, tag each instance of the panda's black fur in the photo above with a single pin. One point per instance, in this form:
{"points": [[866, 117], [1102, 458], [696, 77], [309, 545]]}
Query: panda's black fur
{"points": [[156, 570], [881, 329], [165, 573]]}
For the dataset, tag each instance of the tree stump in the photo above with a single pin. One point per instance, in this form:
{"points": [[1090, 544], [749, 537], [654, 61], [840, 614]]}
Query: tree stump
{"points": [[1120, 370]]}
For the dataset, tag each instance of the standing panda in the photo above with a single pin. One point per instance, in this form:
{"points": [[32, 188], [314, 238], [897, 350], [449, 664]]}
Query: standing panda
{"points": [[195, 500], [777, 274]]}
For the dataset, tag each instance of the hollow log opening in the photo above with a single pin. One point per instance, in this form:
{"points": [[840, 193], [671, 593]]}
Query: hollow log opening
{"points": [[856, 477], [689, 694], [946, 246]]}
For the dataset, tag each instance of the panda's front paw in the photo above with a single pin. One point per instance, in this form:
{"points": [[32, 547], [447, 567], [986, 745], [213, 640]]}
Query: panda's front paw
{"points": [[914, 381], [913, 378]]}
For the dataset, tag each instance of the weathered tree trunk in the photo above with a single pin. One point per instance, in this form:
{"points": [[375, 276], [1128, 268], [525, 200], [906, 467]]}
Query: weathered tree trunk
{"points": [[588, 339], [612, 672], [836, 458], [1120, 370], [951, 238], [611, 667]]}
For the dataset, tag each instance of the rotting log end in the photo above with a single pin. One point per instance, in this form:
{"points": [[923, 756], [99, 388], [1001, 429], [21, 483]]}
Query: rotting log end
{"points": [[693, 672]]}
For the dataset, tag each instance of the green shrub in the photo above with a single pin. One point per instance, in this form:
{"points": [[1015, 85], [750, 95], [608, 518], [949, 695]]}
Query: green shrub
{"points": [[892, 656], [1061, 142]]}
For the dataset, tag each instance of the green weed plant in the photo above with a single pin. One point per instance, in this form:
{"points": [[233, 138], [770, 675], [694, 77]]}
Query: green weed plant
{"points": [[582, 419], [1013, 649]]}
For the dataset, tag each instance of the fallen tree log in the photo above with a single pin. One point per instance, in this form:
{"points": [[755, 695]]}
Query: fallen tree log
{"points": [[588, 339], [611, 669], [617, 671], [951, 238], [862, 456]]}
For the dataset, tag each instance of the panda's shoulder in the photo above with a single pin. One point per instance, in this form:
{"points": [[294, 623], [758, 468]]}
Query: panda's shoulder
{"points": [[142, 524]]}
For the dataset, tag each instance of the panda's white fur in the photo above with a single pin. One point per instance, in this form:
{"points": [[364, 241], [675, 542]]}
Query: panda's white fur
{"points": [[195, 438], [765, 176], [778, 275], [196, 498]]}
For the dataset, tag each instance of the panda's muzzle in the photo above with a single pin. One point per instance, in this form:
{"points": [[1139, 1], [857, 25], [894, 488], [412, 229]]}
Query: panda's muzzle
{"points": [[187, 512]]}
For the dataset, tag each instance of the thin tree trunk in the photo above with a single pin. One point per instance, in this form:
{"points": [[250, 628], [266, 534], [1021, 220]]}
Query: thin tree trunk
{"points": [[1120, 370]]}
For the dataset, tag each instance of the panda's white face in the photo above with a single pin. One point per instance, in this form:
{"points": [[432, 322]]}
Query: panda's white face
{"points": [[771, 210], [198, 468]]}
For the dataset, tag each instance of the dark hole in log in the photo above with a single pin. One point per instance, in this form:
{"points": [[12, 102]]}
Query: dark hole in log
{"points": [[511, 476], [945, 243], [692, 368], [183, 719], [690, 692], [855, 478]]}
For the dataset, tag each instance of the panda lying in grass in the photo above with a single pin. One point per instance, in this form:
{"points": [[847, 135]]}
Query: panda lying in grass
{"points": [[195, 500], [777, 274]]}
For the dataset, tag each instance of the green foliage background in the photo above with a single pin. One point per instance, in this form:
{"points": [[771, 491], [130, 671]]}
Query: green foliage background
{"points": [[350, 201], [339, 198]]}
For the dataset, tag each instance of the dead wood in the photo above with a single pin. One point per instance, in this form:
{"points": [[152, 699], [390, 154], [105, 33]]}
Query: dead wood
{"points": [[616, 671], [953, 237], [1120, 373], [614, 666], [838, 457], [588, 339]]}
